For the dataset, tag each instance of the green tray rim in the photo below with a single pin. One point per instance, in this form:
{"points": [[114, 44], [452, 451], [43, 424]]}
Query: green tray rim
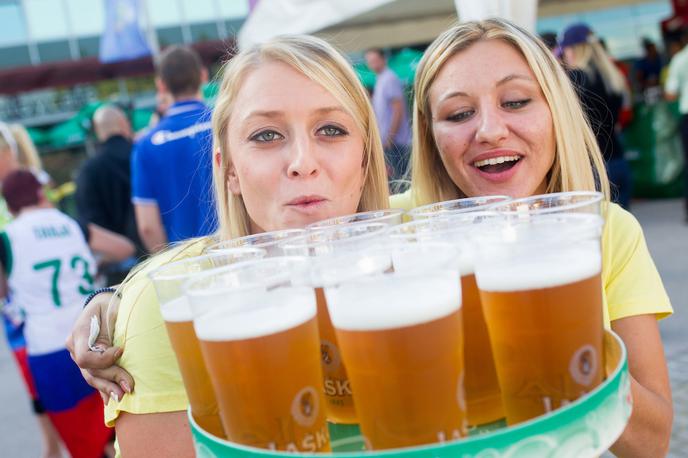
{"points": [[509, 435]]}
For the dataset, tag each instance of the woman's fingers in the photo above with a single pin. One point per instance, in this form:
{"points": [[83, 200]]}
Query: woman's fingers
{"points": [[116, 375], [88, 359], [107, 388]]}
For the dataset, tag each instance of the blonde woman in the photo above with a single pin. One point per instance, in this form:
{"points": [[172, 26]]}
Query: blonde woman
{"points": [[295, 141], [496, 114], [604, 92]]}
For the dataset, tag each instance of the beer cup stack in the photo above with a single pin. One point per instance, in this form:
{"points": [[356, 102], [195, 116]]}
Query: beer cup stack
{"points": [[472, 315]]}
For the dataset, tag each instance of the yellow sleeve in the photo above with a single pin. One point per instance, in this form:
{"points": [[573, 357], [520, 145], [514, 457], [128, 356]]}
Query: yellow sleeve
{"points": [[148, 354], [632, 284]]}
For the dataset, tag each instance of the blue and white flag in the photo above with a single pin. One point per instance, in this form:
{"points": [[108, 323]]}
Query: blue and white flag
{"points": [[123, 38]]}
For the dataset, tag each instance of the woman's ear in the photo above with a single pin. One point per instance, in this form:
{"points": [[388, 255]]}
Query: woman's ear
{"points": [[231, 178], [217, 157]]}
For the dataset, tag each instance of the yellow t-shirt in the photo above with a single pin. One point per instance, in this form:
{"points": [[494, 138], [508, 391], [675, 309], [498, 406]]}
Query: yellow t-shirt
{"points": [[148, 354], [632, 286], [630, 280]]}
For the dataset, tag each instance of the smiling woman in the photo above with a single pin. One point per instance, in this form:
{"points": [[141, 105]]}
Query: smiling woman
{"points": [[295, 142], [496, 114], [495, 97]]}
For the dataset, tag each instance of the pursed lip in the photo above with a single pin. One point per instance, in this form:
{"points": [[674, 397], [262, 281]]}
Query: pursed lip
{"points": [[306, 201]]}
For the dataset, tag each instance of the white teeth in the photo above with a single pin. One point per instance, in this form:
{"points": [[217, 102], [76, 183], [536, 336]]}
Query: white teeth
{"points": [[496, 160]]}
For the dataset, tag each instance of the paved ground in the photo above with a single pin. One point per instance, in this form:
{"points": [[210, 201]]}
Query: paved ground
{"points": [[667, 238]]}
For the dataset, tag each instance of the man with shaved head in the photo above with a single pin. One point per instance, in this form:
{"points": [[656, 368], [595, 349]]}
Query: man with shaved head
{"points": [[103, 192]]}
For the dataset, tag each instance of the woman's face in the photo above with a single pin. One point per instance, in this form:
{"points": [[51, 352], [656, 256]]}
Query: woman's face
{"points": [[491, 122], [297, 155]]}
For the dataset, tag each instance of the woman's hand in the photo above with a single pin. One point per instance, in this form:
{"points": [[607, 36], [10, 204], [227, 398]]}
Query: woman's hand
{"points": [[98, 362]]}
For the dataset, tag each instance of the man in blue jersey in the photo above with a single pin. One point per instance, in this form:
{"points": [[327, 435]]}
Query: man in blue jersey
{"points": [[171, 164]]}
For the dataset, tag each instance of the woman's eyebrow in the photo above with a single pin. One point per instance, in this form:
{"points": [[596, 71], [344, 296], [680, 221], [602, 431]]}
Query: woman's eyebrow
{"points": [[326, 110], [263, 114], [514, 76]]}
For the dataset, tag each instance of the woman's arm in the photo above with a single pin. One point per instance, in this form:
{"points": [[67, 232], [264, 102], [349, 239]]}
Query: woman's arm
{"points": [[154, 434], [649, 429], [112, 246], [99, 368]]}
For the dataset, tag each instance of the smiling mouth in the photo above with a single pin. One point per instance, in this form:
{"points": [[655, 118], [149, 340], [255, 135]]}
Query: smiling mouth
{"points": [[497, 164]]}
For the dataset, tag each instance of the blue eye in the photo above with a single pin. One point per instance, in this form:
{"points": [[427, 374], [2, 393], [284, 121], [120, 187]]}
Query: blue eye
{"points": [[332, 131], [516, 103], [266, 136], [461, 116]]}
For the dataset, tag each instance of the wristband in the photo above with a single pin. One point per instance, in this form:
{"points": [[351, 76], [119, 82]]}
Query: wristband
{"points": [[98, 291]]}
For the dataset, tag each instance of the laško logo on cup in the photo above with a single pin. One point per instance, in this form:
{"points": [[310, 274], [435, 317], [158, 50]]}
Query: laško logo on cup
{"points": [[334, 387], [307, 431]]}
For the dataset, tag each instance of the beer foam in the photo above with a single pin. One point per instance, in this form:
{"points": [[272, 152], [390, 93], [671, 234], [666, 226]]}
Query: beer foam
{"points": [[255, 314], [177, 310], [560, 267], [394, 300], [416, 257]]}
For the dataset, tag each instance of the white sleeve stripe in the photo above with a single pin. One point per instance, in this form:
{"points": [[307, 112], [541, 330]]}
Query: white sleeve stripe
{"points": [[143, 201]]}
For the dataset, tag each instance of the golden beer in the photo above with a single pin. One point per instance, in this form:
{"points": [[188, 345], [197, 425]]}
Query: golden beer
{"points": [[338, 252], [402, 343], [340, 403], [192, 367], [483, 397], [546, 339], [177, 314], [264, 363]]}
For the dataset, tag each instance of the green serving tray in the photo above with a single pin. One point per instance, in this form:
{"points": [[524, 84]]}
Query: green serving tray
{"points": [[584, 428]]}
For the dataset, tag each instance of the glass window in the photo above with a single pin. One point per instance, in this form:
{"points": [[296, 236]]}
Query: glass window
{"points": [[233, 26], [204, 32], [14, 56], [89, 46], [200, 10], [164, 13], [170, 36], [233, 9], [87, 17], [53, 51], [12, 30], [46, 19]]}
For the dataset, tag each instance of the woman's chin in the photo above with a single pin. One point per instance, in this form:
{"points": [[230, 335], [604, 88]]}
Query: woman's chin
{"points": [[301, 220]]}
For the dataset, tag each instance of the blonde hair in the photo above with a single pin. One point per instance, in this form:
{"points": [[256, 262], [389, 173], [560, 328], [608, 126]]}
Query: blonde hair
{"points": [[578, 163], [590, 56], [27, 154], [323, 64]]}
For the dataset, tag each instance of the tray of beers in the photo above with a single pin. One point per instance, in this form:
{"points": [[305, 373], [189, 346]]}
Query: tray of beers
{"points": [[475, 330]]}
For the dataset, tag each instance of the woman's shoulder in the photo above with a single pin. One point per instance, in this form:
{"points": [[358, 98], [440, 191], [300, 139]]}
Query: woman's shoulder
{"points": [[139, 306], [632, 283], [620, 225], [176, 252]]}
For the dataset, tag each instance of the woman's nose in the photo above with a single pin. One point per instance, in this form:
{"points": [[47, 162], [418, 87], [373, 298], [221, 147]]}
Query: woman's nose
{"points": [[303, 161], [492, 128]]}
